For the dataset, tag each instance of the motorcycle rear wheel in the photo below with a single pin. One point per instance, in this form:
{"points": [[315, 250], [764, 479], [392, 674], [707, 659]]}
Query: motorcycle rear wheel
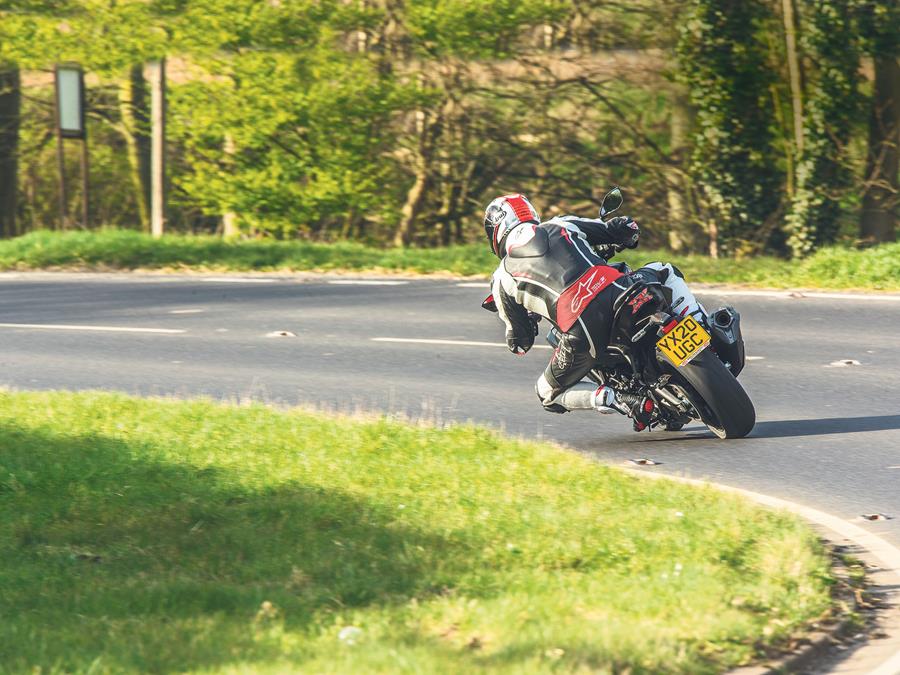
{"points": [[718, 397]]}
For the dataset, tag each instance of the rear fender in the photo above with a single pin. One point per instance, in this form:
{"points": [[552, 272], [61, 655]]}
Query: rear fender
{"points": [[633, 308]]}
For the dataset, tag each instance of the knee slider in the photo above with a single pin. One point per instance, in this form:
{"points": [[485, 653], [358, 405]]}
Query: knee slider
{"points": [[545, 393], [543, 389]]}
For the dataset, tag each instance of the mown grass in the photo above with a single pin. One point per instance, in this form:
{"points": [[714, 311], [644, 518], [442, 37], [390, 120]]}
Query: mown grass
{"points": [[159, 536], [832, 268]]}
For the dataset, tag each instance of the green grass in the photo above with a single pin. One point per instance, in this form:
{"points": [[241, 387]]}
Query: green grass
{"points": [[832, 268], [124, 249], [160, 535]]}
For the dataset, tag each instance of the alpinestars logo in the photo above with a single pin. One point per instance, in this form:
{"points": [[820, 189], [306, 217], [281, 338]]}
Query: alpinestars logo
{"points": [[587, 288]]}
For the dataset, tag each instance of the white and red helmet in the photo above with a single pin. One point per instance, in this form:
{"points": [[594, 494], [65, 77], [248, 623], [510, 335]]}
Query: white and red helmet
{"points": [[503, 215]]}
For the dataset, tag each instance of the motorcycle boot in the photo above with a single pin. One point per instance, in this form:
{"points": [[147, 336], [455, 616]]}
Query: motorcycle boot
{"points": [[604, 401], [642, 414], [639, 408]]}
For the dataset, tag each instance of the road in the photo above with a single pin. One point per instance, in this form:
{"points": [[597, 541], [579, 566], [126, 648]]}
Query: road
{"points": [[827, 436]]}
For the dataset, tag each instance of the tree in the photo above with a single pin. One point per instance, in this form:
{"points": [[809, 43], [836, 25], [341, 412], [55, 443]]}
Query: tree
{"points": [[10, 107], [723, 64], [822, 171], [878, 221]]}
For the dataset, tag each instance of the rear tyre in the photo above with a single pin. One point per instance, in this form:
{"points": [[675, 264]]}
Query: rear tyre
{"points": [[718, 397]]}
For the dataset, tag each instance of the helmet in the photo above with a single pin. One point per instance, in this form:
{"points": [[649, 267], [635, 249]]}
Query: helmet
{"points": [[505, 213]]}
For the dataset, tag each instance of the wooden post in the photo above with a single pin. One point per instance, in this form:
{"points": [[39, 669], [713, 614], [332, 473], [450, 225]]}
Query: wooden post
{"points": [[85, 185], [158, 147]]}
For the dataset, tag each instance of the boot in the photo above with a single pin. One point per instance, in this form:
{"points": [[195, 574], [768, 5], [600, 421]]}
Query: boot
{"points": [[604, 401], [641, 414]]}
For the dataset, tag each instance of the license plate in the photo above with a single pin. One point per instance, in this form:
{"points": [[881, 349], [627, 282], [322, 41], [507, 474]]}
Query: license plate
{"points": [[684, 342]]}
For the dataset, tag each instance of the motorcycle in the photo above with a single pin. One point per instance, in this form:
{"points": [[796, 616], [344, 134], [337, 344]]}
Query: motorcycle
{"points": [[674, 369]]}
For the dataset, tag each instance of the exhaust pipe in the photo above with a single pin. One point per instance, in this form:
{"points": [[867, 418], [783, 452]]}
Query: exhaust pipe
{"points": [[723, 318]]}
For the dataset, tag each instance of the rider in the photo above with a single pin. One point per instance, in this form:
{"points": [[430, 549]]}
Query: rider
{"points": [[551, 270]]}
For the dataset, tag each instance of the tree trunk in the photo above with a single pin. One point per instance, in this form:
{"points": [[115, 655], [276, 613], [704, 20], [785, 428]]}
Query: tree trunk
{"points": [[882, 188], [411, 207], [794, 71], [684, 235], [135, 129], [449, 212], [427, 129], [230, 227], [10, 111]]}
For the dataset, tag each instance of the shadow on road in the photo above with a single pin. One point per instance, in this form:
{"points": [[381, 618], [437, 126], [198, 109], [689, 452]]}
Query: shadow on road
{"points": [[820, 427], [785, 429]]}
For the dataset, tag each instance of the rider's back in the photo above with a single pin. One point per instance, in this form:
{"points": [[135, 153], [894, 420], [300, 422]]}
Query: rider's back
{"points": [[556, 272]]}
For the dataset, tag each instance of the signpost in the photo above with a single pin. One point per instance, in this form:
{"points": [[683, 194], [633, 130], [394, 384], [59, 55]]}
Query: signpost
{"points": [[70, 123]]}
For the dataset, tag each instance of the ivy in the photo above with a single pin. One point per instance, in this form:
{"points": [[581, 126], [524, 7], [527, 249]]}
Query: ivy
{"points": [[831, 108], [723, 63]]}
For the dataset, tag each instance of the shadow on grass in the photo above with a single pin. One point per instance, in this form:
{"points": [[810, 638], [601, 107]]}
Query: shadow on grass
{"points": [[110, 555]]}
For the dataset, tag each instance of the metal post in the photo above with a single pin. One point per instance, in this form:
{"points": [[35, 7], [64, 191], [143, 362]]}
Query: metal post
{"points": [[85, 191], [158, 147], [61, 163]]}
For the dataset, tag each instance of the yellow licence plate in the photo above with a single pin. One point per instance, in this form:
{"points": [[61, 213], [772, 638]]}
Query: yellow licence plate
{"points": [[684, 342]]}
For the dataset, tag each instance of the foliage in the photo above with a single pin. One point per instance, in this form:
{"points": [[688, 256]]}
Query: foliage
{"points": [[473, 28], [38, 179], [723, 62], [310, 138], [381, 120], [327, 134], [160, 536], [830, 267], [878, 21], [832, 108]]}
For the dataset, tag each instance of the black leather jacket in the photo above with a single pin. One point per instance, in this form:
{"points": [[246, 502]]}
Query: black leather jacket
{"points": [[552, 269]]}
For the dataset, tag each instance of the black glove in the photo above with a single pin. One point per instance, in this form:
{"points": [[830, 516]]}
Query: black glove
{"points": [[625, 231], [519, 344], [535, 320]]}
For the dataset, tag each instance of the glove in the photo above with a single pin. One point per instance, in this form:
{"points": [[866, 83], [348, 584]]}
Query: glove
{"points": [[625, 231], [519, 344], [535, 319]]}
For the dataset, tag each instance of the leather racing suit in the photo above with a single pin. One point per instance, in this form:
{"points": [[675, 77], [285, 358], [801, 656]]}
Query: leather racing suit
{"points": [[552, 270]]}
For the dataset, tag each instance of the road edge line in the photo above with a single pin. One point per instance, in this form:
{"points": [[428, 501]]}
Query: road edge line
{"points": [[463, 280], [887, 554], [96, 329]]}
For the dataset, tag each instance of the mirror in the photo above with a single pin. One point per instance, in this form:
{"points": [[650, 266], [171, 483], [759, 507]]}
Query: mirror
{"points": [[611, 202]]}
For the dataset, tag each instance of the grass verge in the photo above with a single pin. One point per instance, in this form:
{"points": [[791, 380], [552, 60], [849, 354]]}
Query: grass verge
{"points": [[159, 536], [831, 268]]}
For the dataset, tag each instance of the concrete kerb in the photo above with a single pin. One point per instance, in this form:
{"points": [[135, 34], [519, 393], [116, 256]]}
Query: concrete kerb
{"points": [[880, 657]]}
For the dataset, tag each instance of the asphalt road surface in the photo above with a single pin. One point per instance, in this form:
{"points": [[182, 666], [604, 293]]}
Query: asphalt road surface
{"points": [[827, 436]]}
